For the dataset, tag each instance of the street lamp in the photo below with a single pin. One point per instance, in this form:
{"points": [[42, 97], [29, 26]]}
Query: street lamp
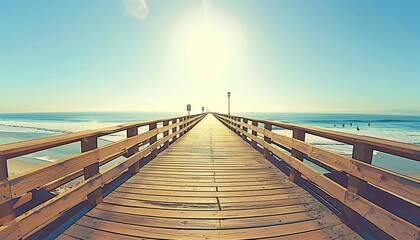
{"points": [[188, 109], [202, 109], [228, 103]]}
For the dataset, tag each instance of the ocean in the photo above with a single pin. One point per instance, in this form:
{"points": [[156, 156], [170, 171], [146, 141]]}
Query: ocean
{"points": [[16, 127]]}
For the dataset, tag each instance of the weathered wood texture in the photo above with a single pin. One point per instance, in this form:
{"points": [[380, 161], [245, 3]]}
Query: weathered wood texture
{"points": [[361, 173], [209, 185]]}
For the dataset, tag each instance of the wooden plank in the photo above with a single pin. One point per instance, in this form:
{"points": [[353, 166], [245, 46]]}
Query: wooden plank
{"points": [[172, 199], [81, 232], [203, 184], [397, 184], [209, 214], [179, 223], [10, 231], [66, 237], [388, 222], [152, 232], [21, 184], [210, 194], [292, 200], [44, 213], [169, 187]]}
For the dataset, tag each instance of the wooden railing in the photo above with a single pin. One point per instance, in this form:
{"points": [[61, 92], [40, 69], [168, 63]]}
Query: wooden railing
{"points": [[359, 190], [27, 189]]}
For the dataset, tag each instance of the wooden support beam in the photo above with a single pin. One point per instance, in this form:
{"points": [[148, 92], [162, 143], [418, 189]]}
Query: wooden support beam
{"points": [[7, 213], [254, 143], [174, 129], [182, 126], [364, 153], [245, 129], [166, 133], [238, 119], [87, 144], [152, 126], [295, 174], [135, 168], [268, 127]]}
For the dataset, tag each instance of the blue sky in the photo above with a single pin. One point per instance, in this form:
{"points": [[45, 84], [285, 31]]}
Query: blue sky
{"points": [[274, 56]]}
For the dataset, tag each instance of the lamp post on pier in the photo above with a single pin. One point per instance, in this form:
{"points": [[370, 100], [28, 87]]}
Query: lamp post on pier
{"points": [[188, 109], [202, 109], [228, 93]]}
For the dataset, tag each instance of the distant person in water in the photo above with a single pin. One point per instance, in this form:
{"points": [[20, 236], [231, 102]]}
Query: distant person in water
{"points": [[344, 124], [358, 128], [351, 124], [368, 124]]}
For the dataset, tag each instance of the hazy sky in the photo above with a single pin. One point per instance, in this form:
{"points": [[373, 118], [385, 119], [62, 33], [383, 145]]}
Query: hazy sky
{"points": [[287, 56]]}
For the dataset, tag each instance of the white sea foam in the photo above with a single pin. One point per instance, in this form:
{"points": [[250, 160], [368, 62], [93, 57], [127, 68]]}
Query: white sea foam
{"points": [[44, 158], [63, 127]]}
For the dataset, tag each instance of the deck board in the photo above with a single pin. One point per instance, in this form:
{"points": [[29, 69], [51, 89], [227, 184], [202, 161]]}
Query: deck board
{"points": [[209, 184]]}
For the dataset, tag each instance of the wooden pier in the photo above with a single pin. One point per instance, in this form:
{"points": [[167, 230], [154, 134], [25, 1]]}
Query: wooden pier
{"points": [[209, 176]]}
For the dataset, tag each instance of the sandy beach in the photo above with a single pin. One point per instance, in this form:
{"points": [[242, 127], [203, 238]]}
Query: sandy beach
{"points": [[17, 166]]}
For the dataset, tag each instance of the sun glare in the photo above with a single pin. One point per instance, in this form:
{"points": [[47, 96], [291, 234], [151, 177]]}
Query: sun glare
{"points": [[206, 52]]}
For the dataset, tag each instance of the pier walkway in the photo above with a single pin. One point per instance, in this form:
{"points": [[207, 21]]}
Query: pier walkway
{"points": [[209, 184], [209, 176]]}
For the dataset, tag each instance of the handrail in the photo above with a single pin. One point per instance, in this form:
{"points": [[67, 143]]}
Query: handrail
{"points": [[358, 168], [12, 150], [405, 150], [18, 190]]}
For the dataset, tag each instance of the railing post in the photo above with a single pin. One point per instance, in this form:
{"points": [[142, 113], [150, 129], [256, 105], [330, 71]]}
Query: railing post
{"points": [[245, 129], [7, 213], [295, 174], [135, 168], [364, 153], [188, 124], [267, 127], [152, 140], [87, 144], [234, 124], [254, 143], [166, 133], [182, 126], [175, 120], [238, 119]]}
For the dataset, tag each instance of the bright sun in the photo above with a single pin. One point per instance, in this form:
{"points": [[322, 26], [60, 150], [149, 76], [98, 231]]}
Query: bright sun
{"points": [[206, 52]]}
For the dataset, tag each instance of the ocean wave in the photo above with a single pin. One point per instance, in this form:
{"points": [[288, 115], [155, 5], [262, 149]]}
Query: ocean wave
{"points": [[45, 158], [34, 128]]}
